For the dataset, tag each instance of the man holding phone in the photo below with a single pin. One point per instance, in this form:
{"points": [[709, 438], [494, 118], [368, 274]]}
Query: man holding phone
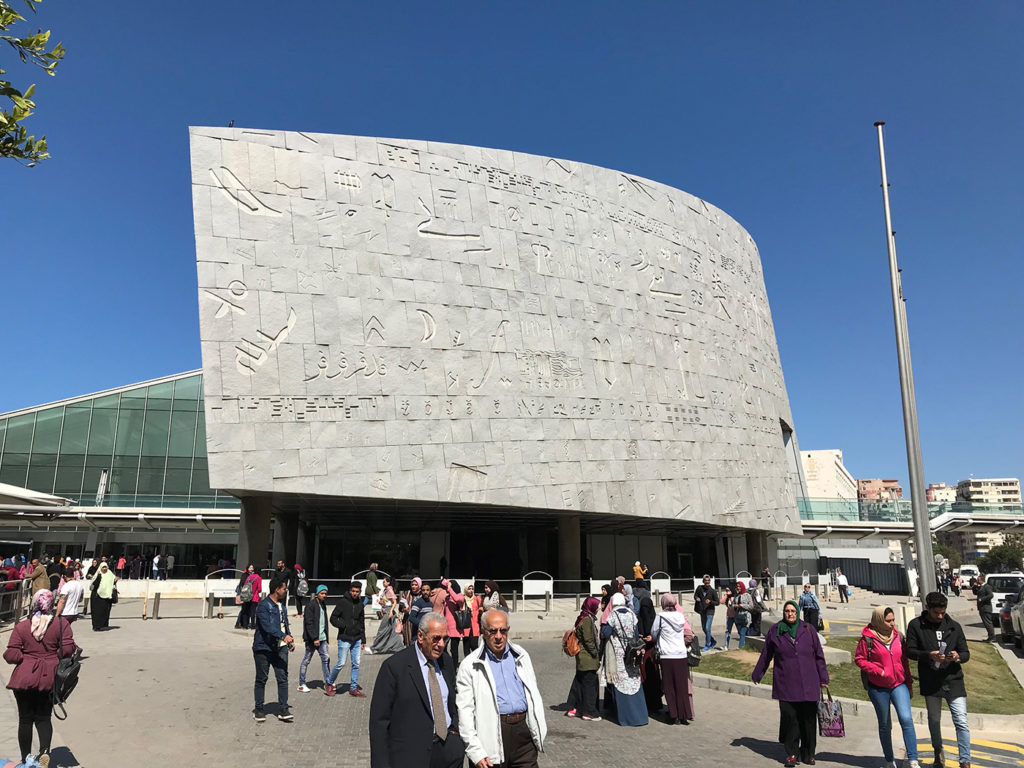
{"points": [[939, 645]]}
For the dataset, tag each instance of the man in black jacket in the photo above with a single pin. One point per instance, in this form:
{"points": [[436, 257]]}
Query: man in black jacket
{"points": [[316, 637], [940, 648], [351, 625], [985, 594], [705, 598], [414, 719]]}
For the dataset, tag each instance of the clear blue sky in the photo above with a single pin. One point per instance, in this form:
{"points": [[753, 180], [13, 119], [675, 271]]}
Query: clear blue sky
{"points": [[764, 109]]}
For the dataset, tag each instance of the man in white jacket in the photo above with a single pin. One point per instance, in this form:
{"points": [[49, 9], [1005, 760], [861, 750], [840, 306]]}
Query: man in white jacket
{"points": [[501, 715]]}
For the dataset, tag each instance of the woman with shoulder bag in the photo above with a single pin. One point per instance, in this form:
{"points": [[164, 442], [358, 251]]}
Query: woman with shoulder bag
{"points": [[247, 614], [469, 635], [623, 680], [881, 655], [35, 647], [389, 633], [583, 692], [672, 636]]}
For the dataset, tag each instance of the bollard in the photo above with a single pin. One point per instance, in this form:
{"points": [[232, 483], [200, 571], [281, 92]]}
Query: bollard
{"points": [[578, 604], [547, 602], [156, 606], [515, 601]]}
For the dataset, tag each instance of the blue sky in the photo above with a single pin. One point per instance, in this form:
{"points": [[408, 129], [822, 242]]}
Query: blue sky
{"points": [[764, 109]]}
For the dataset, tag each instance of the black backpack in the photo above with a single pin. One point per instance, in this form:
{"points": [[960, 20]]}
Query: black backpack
{"points": [[65, 676], [632, 648]]}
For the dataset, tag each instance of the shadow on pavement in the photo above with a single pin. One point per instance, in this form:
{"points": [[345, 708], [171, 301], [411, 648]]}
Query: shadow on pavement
{"points": [[62, 757], [774, 750]]}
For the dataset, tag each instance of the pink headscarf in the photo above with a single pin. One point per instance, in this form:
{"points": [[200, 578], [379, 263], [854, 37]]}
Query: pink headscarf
{"points": [[42, 612], [669, 603]]}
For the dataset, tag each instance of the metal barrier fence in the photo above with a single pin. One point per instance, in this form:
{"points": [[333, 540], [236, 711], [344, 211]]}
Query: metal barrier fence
{"points": [[14, 603]]}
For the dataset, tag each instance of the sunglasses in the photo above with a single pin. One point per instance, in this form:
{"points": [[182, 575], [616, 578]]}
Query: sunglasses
{"points": [[498, 631]]}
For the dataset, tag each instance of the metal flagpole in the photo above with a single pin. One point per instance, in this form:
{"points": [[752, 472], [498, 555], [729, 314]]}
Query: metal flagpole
{"points": [[918, 503]]}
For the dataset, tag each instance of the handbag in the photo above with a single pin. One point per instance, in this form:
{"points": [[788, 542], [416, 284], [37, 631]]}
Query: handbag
{"points": [[463, 619], [693, 653], [65, 676], [830, 716], [113, 597]]}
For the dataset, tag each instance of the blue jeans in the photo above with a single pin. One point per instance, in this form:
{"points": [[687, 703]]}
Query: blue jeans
{"points": [[958, 709], [900, 698], [343, 650], [705, 623], [325, 661]]}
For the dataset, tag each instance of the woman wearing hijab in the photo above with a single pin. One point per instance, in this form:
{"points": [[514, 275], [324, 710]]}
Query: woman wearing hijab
{"points": [[799, 675], [671, 633], [102, 586], [410, 597], [650, 675], [631, 600], [247, 615], [622, 681], [470, 636], [447, 599], [493, 598], [389, 636], [756, 607], [583, 692], [881, 654], [33, 648]]}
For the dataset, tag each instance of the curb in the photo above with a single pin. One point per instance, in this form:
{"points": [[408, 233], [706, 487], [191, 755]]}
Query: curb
{"points": [[851, 707]]}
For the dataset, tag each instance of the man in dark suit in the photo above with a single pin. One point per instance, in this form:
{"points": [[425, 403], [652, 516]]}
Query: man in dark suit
{"points": [[415, 691]]}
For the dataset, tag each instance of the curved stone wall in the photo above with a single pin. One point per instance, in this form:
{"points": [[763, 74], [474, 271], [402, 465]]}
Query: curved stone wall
{"points": [[412, 320]]}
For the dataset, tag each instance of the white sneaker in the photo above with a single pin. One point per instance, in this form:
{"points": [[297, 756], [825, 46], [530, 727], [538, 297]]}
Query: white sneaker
{"points": [[913, 764], [303, 688]]}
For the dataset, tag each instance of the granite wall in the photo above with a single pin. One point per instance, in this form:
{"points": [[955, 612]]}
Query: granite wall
{"points": [[436, 322]]}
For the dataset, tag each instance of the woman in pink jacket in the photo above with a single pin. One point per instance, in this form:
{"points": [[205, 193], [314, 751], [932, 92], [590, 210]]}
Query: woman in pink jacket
{"points": [[447, 599], [882, 658]]}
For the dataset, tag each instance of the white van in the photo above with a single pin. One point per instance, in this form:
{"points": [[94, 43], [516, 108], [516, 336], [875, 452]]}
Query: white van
{"points": [[968, 572]]}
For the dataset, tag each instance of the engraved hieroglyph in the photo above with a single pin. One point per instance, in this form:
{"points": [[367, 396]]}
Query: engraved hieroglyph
{"points": [[509, 329]]}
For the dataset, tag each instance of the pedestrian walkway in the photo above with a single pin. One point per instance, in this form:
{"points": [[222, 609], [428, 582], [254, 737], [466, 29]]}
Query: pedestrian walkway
{"points": [[984, 754]]}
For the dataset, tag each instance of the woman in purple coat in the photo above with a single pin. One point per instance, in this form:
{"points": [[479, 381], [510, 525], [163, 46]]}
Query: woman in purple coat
{"points": [[797, 679]]}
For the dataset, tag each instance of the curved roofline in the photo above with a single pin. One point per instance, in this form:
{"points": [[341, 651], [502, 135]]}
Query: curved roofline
{"points": [[102, 393]]}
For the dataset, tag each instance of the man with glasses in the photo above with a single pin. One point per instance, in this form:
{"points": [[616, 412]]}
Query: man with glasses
{"points": [[413, 719], [501, 714]]}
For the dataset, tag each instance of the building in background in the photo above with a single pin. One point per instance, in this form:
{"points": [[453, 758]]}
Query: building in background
{"points": [[989, 491], [940, 493], [827, 477], [879, 490]]}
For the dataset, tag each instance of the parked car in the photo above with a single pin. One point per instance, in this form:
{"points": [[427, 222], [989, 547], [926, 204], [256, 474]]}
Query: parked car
{"points": [[1004, 585], [968, 573], [1006, 628]]}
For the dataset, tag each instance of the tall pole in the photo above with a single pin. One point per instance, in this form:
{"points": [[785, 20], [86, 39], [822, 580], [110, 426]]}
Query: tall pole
{"points": [[915, 464]]}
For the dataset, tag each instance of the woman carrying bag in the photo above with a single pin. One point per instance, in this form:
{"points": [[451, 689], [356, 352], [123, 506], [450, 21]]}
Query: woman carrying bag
{"points": [[798, 676], [883, 658], [35, 647]]}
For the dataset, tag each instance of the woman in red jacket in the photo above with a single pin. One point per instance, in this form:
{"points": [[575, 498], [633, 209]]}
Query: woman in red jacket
{"points": [[33, 649], [882, 657]]}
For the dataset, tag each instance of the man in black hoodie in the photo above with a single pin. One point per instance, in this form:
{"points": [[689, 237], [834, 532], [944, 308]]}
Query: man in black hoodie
{"points": [[351, 624], [939, 645]]}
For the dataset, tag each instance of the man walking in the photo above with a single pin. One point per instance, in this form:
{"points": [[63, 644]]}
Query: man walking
{"points": [[40, 578], [421, 606], [810, 607], [350, 622], [314, 635], [985, 595], [705, 598], [413, 718], [270, 646], [844, 585], [940, 647], [501, 715]]}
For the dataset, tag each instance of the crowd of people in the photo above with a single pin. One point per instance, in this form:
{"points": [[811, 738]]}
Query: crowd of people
{"points": [[488, 707]]}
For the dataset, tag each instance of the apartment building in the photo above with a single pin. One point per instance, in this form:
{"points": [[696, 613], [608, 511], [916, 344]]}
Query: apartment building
{"points": [[826, 476], [940, 493], [875, 489], [989, 491]]}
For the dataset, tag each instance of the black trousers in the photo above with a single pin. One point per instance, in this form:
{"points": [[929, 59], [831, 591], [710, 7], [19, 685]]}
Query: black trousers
{"points": [[811, 617], [33, 709], [583, 693], [520, 751], [798, 727], [469, 644], [264, 661], [986, 620]]}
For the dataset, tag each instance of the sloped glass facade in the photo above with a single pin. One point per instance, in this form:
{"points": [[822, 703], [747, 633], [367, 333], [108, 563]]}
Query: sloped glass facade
{"points": [[150, 437]]}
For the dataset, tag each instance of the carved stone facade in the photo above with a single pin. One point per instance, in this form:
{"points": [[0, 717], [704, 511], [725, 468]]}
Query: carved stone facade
{"points": [[443, 323]]}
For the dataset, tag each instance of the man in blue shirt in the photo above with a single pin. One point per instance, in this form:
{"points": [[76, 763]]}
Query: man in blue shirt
{"points": [[810, 607], [501, 714]]}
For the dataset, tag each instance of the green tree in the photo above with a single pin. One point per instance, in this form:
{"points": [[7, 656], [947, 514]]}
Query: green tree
{"points": [[15, 140], [954, 557], [1005, 557]]}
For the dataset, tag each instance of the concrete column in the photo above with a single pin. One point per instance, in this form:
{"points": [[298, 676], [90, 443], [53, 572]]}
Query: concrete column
{"points": [[569, 558], [286, 532], [254, 532], [305, 547], [757, 552]]}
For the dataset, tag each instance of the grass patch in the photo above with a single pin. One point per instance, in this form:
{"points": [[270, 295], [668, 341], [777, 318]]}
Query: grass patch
{"points": [[991, 687]]}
